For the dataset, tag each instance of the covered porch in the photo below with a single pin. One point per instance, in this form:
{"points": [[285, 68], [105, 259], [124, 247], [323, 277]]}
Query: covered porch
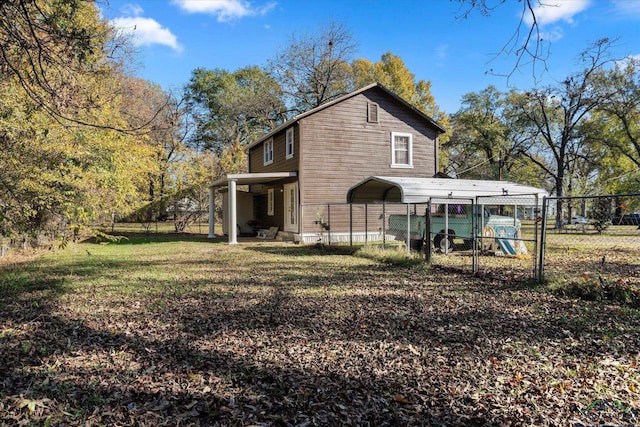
{"points": [[231, 182]]}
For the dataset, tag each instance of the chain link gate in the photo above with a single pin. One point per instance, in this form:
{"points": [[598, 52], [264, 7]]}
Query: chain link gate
{"points": [[510, 231], [592, 241]]}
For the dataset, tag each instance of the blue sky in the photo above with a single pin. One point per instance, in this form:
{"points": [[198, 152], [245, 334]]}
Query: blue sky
{"points": [[173, 37]]}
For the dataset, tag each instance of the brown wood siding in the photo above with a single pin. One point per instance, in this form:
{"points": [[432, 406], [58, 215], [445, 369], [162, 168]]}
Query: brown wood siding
{"points": [[260, 209], [280, 162], [261, 199], [341, 148]]}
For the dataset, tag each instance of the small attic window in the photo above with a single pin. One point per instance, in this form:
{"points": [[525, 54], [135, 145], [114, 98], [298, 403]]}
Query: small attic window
{"points": [[372, 112]]}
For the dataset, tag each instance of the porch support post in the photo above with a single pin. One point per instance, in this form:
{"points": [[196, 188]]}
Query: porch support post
{"points": [[211, 212], [233, 220]]}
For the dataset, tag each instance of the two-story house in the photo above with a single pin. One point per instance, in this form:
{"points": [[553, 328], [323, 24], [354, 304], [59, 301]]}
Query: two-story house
{"points": [[317, 156]]}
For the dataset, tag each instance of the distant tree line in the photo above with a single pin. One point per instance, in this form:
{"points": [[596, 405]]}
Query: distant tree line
{"points": [[577, 137], [84, 141]]}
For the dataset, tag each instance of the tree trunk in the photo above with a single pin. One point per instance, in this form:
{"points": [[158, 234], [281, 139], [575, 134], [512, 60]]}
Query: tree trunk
{"points": [[560, 202]]}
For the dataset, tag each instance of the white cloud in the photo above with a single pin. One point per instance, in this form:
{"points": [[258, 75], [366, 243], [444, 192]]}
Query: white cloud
{"points": [[146, 32], [552, 35], [549, 12], [628, 61], [132, 9], [224, 10]]}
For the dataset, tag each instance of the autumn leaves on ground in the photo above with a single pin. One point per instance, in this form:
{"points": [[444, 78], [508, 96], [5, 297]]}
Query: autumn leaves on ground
{"points": [[185, 331]]}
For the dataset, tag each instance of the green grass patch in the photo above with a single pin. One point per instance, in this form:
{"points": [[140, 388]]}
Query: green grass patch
{"points": [[391, 254]]}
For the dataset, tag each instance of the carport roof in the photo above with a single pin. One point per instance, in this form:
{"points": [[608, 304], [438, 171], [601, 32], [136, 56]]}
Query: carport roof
{"points": [[421, 190]]}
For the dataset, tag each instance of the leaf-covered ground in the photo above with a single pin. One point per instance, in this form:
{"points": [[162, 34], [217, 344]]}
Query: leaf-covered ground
{"points": [[195, 332]]}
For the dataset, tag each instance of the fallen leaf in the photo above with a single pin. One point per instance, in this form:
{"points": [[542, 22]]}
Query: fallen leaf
{"points": [[400, 399]]}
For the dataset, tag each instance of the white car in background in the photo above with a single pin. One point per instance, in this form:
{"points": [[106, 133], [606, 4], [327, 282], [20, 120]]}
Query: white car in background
{"points": [[579, 220]]}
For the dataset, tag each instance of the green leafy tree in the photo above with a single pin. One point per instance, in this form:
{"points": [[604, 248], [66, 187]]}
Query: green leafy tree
{"points": [[600, 214], [63, 159], [58, 52], [53, 176], [615, 128], [484, 137], [232, 108], [392, 72], [551, 118]]}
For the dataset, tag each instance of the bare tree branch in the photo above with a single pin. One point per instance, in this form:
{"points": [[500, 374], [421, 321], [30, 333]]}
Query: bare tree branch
{"points": [[526, 43]]}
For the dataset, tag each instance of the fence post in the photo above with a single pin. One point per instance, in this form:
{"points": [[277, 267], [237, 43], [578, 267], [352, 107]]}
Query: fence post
{"points": [[329, 223], [428, 247], [384, 230], [475, 267], [350, 224], [366, 224], [408, 238], [543, 239], [446, 228], [536, 247]]}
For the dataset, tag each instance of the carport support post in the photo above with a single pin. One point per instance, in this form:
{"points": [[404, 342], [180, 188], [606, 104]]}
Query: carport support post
{"points": [[384, 229], [446, 228], [211, 213], [233, 220], [408, 229], [428, 245], [366, 224], [475, 232], [350, 224]]}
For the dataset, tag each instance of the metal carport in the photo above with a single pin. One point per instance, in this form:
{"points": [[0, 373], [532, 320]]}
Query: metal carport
{"points": [[409, 190], [422, 190]]}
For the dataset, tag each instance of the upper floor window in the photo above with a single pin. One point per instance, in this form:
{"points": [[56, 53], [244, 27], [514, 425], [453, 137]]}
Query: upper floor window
{"points": [[401, 150], [289, 143], [268, 152]]}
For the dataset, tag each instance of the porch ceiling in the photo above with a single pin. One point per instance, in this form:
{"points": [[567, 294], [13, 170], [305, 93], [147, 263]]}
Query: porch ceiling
{"points": [[251, 178]]}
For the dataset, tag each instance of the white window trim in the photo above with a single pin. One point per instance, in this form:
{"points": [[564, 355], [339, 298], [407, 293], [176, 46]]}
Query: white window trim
{"points": [[268, 152], [290, 141], [393, 150], [271, 202]]}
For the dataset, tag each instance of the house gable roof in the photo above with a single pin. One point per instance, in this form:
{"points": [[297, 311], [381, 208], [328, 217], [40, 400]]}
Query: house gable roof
{"points": [[288, 123]]}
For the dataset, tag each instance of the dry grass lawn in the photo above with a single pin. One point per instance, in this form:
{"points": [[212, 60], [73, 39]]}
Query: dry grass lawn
{"points": [[167, 330]]}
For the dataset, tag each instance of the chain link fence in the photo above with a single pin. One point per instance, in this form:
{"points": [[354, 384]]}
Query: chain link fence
{"points": [[593, 240], [511, 237], [482, 235]]}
